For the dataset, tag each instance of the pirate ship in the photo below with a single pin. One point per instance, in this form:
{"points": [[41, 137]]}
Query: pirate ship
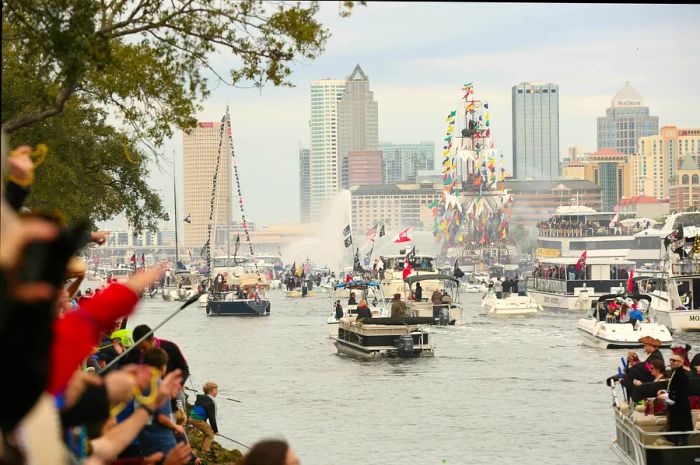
{"points": [[472, 217]]}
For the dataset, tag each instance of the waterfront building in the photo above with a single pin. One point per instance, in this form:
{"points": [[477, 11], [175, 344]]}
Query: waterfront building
{"points": [[358, 121], [200, 152], [365, 167], [685, 188], [644, 206], [574, 170], [535, 131], [397, 205], [305, 185], [654, 165], [611, 171], [324, 164], [625, 122], [535, 201], [402, 162]]}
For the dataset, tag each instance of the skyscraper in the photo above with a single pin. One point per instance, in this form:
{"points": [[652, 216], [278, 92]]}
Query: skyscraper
{"points": [[200, 153], [535, 131], [625, 122], [403, 161], [365, 168], [323, 162], [305, 185], [357, 120]]}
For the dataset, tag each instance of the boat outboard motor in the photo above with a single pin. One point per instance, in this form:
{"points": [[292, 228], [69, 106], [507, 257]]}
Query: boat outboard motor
{"points": [[404, 346], [444, 318]]}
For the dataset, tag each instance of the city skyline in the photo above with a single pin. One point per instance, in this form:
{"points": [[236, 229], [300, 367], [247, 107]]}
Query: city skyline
{"points": [[415, 86]]}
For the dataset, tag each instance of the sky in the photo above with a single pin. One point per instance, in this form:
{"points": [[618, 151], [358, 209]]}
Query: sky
{"points": [[418, 55]]}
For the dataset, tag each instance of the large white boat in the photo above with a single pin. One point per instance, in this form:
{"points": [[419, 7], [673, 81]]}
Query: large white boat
{"points": [[510, 305], [575, 228], [640, 437], [676, 293], [557, 284], [604, 329]]}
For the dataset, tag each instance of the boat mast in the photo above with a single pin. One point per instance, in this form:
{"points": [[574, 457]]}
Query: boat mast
{"points": [[177, 248]]}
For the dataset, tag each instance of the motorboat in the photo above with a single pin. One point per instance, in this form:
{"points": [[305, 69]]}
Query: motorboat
{"points": [[510, 305], [248, 298], [604, 326], [676, 291], [640, 437], [447, 312], [370, 291], [403, 337], [392, 279], [558, 283], [182, 286]]}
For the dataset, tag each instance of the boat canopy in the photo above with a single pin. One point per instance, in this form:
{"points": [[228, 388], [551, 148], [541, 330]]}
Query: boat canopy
{"points": [[357, 284], [605, 297], [424, 277]]}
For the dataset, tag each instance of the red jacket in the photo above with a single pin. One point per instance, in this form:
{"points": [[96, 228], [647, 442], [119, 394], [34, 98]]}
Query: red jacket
{"points": [[76, 334]]}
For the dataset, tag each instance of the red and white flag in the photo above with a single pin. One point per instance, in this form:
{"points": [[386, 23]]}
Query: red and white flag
{"points": [[403, 236], [406, 267], [581, 263], [630, 284]]}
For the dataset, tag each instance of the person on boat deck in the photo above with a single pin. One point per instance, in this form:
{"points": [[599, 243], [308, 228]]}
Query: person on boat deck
{"points": [[658, 371], [338, 310], [522, 287], [632, 360], [679, 416], [682, 350], [686, 300], [640, 370], [446, 299], [419, 292], [363, 311], [352, 300], [436, 298], [636, 314], [205, 409], [498, 288], [398, 308]]}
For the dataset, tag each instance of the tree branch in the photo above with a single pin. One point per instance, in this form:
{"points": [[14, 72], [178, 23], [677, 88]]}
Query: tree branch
{"points": [[25, 119]]}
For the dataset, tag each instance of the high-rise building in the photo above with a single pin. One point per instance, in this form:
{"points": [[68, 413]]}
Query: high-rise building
{"points": [[324, 163], [358, 126], [305, 185], [535, 131], [403, 161], [365, 168], [611, 171], [655, 165], [685, 189], [625, 122], [397, 205], [201, 155]]}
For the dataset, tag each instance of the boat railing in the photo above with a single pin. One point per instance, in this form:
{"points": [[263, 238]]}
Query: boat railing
{"points": [[561, 286], [586, 231], [685, 266]]}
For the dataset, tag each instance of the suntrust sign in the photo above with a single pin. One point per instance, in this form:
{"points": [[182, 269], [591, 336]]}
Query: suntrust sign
{"points": [[628, 103]]}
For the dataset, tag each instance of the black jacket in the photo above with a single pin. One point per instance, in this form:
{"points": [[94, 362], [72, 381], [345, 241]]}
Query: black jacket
{"points": [[175, 358], [679, 416], [207, 404], [364, 312]]}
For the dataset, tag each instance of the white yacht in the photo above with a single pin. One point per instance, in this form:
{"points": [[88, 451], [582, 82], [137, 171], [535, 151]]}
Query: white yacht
{"points": [[557, 284], [676, 292], [510, 305], [604, 329]]}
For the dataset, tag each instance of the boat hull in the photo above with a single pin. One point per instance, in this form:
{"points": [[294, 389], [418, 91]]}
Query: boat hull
{"points": [[552, 301], [369, 353], [621, 335], [679, 320], [246, 307], [514, 305]]}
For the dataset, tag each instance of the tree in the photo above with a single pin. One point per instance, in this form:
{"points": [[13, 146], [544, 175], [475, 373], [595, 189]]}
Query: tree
{"points": [[92, 172], [145, 58]]}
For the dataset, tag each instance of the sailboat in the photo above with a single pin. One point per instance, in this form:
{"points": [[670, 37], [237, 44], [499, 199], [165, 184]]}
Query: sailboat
{"points": [[180, 283], [244, 294]]}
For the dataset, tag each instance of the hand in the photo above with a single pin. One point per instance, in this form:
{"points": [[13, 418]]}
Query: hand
{"points": [[636, 382], [99, 237], [20, 163], [141, 373], [77, 385], [153, 459], [179, 429], [142, 279], [179, 455], [120, 386]]}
